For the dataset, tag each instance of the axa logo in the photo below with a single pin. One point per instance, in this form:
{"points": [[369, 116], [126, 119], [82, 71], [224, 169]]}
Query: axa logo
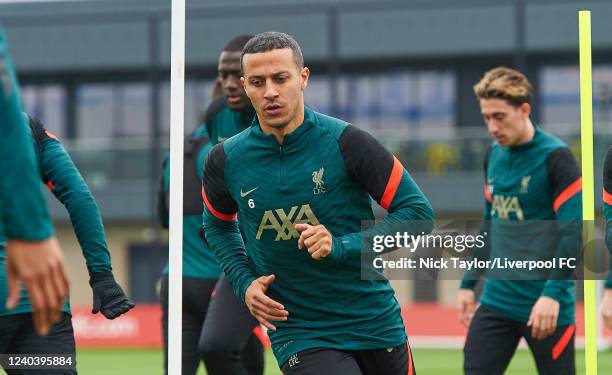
{"points": [[283, 223], [317, 178], [505, 205]]}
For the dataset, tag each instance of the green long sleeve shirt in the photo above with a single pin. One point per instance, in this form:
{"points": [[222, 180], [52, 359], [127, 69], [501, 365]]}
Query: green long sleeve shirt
{"points": [[63, 178], [22, 206], [324, 173], [533, 211]]}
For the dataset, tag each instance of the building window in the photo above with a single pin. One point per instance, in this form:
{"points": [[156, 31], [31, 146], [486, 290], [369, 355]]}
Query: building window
{"points": [[48, 103]]}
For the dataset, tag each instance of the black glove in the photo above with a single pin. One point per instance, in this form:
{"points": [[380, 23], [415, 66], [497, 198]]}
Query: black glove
{"points": [[108, 296]]}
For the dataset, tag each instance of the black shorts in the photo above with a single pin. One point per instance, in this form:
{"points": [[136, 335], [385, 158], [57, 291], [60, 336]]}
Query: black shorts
{"points": [[326, 361], [228, 342], [196, 297], [492, 340], [217, 328], [17, 336]]}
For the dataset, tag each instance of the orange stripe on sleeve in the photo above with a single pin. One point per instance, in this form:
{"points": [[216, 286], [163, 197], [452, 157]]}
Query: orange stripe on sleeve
{"points": [[50, 185], [51, 135], [217, 214], [569, 192], [487, 193], [392, 184], [563, 341], [607, 197]]}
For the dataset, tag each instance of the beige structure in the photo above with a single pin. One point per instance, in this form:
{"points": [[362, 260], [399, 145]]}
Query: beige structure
{"points": [[118, 236]]}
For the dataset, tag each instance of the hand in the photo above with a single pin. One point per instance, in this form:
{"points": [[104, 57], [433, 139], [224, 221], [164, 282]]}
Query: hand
{"points": [[262, 307], [466, 304], [108, 296], [41, 267], [543, 318], [317, 240], [606, 307]]}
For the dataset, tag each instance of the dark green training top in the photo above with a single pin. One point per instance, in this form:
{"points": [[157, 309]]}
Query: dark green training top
{"points": [[324, 173], [532, 207], [607, 207], [221, 122], [198, 260], [64, 180], [23, 211]]}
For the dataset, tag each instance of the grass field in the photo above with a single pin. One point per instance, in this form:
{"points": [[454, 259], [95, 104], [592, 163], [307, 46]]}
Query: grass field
{"points": [[427, 362]]}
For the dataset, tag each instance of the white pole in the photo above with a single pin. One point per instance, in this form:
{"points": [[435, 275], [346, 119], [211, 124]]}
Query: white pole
{"points": [[177, 133]]}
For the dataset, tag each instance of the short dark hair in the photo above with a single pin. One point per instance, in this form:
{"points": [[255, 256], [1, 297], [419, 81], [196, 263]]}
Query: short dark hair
{"points": [[237, 43], [271, 40]]}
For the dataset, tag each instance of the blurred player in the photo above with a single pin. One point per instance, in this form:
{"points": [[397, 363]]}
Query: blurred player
{"points": [[33, 254], [606, 304], [217, 326], [529, 175], [301, 183], [231, 112], [17, 333]]}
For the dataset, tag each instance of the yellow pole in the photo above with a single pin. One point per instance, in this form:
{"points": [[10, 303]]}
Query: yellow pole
{"points": [[588, 194]]}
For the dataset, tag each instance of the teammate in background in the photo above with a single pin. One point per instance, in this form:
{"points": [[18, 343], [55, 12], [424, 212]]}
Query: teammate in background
{"points": [[33, 253], [300, 183], [231, 112], [217, 327], [606, 304], [529, 175], [17, 333], [217, 90]]}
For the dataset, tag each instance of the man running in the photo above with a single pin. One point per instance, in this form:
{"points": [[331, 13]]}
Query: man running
{"points": [[17, 333], [301, 184], [529, 175], [33, 253]]}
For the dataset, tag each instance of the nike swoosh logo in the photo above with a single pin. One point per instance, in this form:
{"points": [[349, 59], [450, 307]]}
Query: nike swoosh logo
{"points": [[242, 195]]}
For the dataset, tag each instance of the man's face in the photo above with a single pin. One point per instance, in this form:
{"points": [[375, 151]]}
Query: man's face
{"points": [[275, 85], [506, 124], [229, 74]]}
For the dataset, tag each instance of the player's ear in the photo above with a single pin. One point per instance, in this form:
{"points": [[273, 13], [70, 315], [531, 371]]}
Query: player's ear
{"points": [[243, 82], [304, 74], [525, 109]]}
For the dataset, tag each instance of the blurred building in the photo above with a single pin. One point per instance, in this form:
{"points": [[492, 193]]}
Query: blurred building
{"points": [[96, 73]]}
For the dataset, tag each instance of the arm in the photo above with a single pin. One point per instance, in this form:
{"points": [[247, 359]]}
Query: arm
{"points": [[224, 238], [471, 277], [220, 224], [378, 172], [66, 183], [466, 298], [68, 186], [566, 183], [33, 255], [24, 211]]}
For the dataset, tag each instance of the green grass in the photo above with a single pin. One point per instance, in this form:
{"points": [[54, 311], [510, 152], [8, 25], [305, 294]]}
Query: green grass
{"points": [[427, 361]]}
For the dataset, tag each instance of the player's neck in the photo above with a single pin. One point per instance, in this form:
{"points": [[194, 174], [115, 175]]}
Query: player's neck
{"points": [[527, 135], [281, 132]]}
